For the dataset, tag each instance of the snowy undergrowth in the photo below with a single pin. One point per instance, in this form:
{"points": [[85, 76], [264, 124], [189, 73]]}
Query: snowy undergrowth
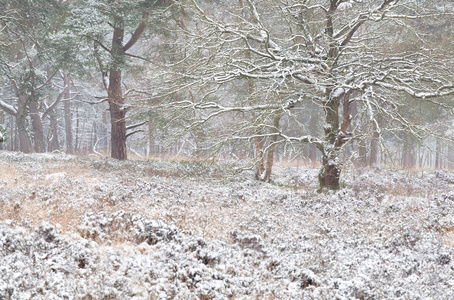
{"points": [[79, 228]]}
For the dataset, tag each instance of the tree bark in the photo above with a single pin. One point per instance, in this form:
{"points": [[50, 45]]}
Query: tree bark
{"points": [[374, 148], [13, 129], [53, 142], [362, 153], [336, 135], [114, 90], [94, 138], [68, 115], [407, 159], [117, 117], [272, 148], [150, 146], [438, 154], [37, 125], [259, 157], [265, 155], [25, 144], [313, 130], [76, 144], [329, 173], [115, 96]]}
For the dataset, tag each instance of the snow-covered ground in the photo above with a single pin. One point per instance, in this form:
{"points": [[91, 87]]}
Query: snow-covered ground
{"points": [[81, 228]]}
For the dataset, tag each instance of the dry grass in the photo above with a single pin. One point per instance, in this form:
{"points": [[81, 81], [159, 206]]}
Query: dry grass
{"points": [[206, 216], [8, 174], [29, 205]]}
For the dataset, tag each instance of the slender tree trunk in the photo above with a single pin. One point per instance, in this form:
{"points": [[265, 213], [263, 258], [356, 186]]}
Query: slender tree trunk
{"points": [[407, 152], [68, 115], [53, 142], [2, 121], [272, 148], [313, 130], [76, 144], [362, 153], [259, 157], [14, 145], [83, 144], [52, 139], [150, 148], [438, 154], [94, 137], [11, 133], [374, 145]]}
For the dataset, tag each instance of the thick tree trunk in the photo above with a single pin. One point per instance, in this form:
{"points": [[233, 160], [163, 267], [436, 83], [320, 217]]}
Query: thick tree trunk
{"points": [[116, 100], [114, 91], [330, 170], [117, 117], [25, 144], [37, 125], [336, 135], [329, 175]]}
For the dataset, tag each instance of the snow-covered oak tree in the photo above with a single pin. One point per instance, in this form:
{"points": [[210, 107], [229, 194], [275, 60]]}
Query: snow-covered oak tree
{"points": [[355, 59]]}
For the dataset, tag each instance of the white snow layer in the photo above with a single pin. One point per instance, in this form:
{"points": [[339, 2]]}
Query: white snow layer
{"points": [[387, 235]]}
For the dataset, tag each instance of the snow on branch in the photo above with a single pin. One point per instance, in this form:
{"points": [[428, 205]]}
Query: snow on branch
{"points": [[421, 95], [8, 108]]}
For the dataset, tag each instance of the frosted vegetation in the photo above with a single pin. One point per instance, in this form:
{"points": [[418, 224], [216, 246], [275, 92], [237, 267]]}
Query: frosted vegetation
{"points": [[82, 228]]}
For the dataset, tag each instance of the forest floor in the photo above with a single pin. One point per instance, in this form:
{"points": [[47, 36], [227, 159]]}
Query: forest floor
{"points": [[84, 228]]}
